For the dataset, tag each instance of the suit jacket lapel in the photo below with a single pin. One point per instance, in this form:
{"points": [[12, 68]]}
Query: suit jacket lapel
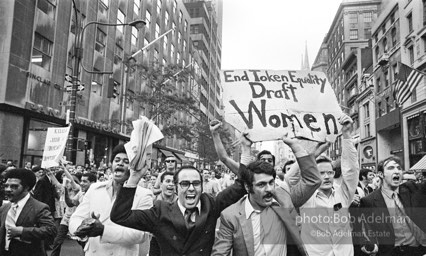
{"points": [[246, 228], [177, 219], [25, 211], [379, 203], [3, 226]]}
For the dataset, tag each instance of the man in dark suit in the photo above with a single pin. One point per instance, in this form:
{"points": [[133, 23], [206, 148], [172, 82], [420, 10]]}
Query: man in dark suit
{"points": [[390, 215], [25, 222], [44, 191]]}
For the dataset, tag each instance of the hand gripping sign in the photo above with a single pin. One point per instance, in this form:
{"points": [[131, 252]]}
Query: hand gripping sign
{"points": [[269, 104]]}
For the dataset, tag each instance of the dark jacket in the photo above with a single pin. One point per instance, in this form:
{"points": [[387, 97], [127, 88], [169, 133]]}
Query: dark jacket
{"points": [[38, 225], [45, 192]]}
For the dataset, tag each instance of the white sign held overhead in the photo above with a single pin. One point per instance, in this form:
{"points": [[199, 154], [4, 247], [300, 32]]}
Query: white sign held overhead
{"points": [[268, 104], [54, 147]]}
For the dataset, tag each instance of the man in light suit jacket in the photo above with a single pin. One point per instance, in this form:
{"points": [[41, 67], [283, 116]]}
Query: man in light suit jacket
{"points": [[108, 238], [25, 222], [242, 224]]}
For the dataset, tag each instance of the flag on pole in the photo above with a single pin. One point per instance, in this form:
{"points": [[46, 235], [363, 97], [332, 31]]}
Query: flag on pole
{"points": [[407, 81]]}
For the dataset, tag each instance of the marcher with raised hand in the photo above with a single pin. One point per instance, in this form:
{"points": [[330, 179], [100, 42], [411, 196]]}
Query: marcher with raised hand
{"points": [[321, 237], [186, 227], [106, 237]]}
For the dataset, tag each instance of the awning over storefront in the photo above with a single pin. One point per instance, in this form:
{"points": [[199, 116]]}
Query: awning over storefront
{"points": [[166, 153], [420, 165], [181, 157]]}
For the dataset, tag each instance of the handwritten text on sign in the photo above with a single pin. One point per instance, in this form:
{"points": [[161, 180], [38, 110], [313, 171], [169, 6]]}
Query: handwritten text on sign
{"points": [[54, 146], [267, 104]]}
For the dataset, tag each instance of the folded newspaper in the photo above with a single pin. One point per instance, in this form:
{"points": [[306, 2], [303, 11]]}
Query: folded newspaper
{"points": [[144, 134]]}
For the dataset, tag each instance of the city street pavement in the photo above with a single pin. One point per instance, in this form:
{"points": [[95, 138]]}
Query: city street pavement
{"points": [[70, 248]]}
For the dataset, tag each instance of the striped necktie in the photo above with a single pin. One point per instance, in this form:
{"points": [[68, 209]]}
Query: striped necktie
{"points": [[10, 222]]}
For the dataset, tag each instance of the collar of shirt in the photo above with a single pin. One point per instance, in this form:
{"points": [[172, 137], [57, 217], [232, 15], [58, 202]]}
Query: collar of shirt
{"points": [[319, 193], [362, 185], [388, 192], [21, 203], [249, 207], [182, 208]]}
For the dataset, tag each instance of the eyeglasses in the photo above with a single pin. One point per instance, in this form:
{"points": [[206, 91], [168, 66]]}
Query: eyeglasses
{"points": [[185, 184], [170, 161]]}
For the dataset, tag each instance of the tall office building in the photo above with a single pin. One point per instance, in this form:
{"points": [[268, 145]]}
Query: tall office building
{"points": [[38, 42]]}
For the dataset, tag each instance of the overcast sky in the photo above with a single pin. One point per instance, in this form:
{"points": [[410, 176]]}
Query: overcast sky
{"points": [[271, 34]]}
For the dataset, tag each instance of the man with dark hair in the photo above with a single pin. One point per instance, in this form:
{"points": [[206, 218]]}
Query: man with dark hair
{"points": [[170, 166], [186, 227], [25, 222], [401, 223], [259, 225], [44, 191], [266, 156], [106, 237]]}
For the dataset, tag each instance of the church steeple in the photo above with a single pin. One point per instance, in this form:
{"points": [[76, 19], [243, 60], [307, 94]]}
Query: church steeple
{"points": [[305, 61]]}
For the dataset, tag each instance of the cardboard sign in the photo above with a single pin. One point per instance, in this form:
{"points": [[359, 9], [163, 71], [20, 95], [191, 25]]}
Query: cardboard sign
{"points": [[268, 104], [54, 147]]}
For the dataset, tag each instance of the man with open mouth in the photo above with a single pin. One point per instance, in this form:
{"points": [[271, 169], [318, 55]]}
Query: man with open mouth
{"points": [[399, 230], [186, 227]]}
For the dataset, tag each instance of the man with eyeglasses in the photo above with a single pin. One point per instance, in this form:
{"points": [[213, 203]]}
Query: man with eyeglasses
{"points": [[325, 218], [92, 216], [186, 227]]}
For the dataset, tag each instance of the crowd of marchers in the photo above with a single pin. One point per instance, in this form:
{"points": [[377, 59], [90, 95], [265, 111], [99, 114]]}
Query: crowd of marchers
{"points": [[311, 206]]}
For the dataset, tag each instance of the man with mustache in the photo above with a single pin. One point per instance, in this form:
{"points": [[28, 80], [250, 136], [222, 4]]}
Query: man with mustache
{"points": [[106, 237], [399, 230], [25, 221], [260, 225]]}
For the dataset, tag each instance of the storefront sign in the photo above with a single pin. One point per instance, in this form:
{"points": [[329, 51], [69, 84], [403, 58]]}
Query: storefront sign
{"points": [[42, 80], [95, 125], [368, 152], [43, 110], [54, 147]]}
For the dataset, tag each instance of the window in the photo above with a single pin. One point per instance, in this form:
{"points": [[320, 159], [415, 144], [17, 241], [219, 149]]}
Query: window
{"points": [[178, 58], [393, 36], [424, 42], [367, 130], [377, 52], [392, 18], [165, 42], [48, 7], [159, 4], [120, 20], [353, 17], [118, 55], [386, 75], [353, 34], [184, 45], [185, 26], [379, 107], [97, 81], [105, 2], [179, 37], [387, 105], [414, 95], [100, 41], [385, 45], [379, 85], [395, 71], [367, 33], [180, 17], [194, 29], [42, 52], [166, 21], [148, 17], [157, 30], [174, 29], [368, 16], [156, 56], [136, 6], [411, 53], [366, 110], [134, 39], [172, 50], [410, 22], [174, 6]]}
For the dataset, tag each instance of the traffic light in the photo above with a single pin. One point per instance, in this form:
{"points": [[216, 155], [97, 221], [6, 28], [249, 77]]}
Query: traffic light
{"points": [[112, 88]]}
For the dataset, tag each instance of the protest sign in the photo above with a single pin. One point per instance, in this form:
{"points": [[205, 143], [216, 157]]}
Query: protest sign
{"points": [[56, 140], [268, 104]]}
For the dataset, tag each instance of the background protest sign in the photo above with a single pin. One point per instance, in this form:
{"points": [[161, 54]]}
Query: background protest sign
{"points": [[56, 140], [267, 104]]}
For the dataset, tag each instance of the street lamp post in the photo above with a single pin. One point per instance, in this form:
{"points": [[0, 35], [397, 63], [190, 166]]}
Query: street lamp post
{"points": [[78, 54]]}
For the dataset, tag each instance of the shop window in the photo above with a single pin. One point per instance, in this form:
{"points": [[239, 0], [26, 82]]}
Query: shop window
{"points": [[414, 128], [416, 147]]}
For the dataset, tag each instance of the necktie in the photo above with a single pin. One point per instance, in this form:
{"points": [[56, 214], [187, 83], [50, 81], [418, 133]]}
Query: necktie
{"points": [[417, 232], [10, 222], [366, 192], [190, 215]]}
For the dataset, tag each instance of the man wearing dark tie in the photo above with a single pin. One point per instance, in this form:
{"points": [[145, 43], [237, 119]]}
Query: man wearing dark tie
{"points": [[25, 222]]}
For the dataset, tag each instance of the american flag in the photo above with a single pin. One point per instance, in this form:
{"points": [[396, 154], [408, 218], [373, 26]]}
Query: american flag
{"points": [[407, 81]]}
